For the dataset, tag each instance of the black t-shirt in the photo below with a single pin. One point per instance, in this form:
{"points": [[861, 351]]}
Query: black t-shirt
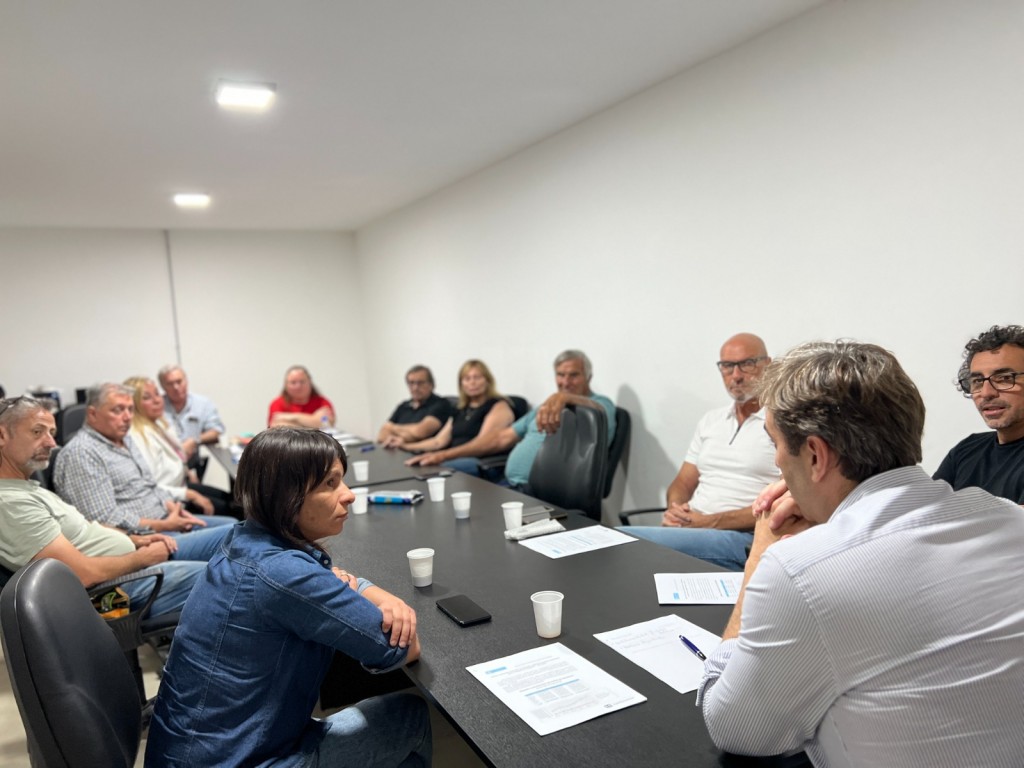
{"points": [[435, 406], [981, 461], [466, 422]]}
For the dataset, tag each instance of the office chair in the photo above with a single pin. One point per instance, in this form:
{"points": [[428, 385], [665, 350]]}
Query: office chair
{"points": [[69, 421], [77, 697], [623, 427], [570, 466]]}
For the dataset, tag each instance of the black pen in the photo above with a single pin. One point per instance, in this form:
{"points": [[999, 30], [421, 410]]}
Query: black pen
{"points": [[693, 649]]}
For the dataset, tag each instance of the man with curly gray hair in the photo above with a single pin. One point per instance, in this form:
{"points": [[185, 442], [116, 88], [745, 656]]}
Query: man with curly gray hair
{"points": [[874, 626], [992, 375]]}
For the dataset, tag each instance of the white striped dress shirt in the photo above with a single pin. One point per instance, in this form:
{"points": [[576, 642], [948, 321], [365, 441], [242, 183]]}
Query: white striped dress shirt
{"points": [[893, 635]]}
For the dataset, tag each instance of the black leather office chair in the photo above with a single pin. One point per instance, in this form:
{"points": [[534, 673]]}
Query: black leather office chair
{"points": [[620, 443], [570, 466], [69, 421], [77, 697]]}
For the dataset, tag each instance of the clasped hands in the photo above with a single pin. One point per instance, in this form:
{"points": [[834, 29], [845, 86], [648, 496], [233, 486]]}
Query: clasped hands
{"points": [[777, 515]]}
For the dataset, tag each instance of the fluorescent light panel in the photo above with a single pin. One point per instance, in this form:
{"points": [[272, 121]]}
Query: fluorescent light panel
{"points": [[245, 95], [192, 200]]}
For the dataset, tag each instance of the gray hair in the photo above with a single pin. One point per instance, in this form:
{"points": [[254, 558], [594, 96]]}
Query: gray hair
{"points": [[14, 409], [576, 354], [988, 341], [167, 370], [854, 396], [99, 393]]}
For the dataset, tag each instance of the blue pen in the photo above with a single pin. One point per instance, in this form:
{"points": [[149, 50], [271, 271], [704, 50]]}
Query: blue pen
{"points": [[367, 448], [693, 649]]}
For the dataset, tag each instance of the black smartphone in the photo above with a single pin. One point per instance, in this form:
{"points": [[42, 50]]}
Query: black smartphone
{"points": [[463, 611]]}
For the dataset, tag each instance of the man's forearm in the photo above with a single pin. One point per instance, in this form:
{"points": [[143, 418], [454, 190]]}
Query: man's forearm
{"points": [[734, 520], [209, 437]]}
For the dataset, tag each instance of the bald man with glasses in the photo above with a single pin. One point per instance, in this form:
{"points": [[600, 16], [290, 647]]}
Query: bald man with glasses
{"points": [[992, 376], [729, 462]]}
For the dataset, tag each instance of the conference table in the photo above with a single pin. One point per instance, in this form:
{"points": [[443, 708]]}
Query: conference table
{"points": [[386, 465], [604, 589]]}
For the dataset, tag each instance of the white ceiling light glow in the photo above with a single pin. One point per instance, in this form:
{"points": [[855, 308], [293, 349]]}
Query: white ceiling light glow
{"points": [[192, 200], [251, 96]]}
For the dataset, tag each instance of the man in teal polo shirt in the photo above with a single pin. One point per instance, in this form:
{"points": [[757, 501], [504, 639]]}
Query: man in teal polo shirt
{"points": [[572, 376]]}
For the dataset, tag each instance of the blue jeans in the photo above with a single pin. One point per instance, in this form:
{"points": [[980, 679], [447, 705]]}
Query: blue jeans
{"points": [[179, 577], [466, 464], [202, 543], [391, 730], [725, 548]]}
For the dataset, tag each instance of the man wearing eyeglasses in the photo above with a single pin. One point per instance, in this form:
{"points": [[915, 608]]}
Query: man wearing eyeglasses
{"points": [[729, 462], [992, 375], [419, 417]]}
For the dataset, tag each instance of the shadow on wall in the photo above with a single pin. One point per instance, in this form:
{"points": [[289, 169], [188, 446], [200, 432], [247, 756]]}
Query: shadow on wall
{"points": [[651, 474]]}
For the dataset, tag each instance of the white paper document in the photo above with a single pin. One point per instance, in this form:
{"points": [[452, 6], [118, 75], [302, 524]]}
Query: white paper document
{"points": [[698, 588], [552, 688], [574, 542], [655, 646]]}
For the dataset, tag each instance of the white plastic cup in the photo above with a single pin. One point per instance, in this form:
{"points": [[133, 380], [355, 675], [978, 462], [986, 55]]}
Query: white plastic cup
{"points": [[421, 566], [362, 470], [462, 501], [547, 612], [359, 503], [436, 487], [513, 511]]}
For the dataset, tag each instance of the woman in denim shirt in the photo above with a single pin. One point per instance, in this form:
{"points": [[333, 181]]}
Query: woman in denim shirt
{"points": [[258, 632]]}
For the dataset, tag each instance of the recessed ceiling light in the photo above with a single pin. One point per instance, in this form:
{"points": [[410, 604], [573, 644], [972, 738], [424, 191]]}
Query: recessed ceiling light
{"points": [[192, 200], [253, 96]]}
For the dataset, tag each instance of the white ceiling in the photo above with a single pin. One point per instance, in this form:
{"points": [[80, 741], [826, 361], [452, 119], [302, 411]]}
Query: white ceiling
{"points": [[106, 106]]}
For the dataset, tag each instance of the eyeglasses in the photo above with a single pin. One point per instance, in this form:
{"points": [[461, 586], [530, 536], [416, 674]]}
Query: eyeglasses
{"points": [[747, 366], [416, 382], [10, 402], [1001, 381]]}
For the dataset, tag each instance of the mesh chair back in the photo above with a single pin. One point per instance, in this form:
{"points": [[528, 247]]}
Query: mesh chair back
{"points": [[570, 466], [76, 694]]}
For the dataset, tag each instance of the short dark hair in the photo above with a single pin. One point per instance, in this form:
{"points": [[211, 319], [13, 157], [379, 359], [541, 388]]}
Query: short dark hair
{"points": [[277, 471], [417, 369], [990, 340], [856, 397]]}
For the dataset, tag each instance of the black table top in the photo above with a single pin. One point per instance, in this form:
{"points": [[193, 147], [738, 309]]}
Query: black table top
{"points": [[604, 590], [387, 465]]}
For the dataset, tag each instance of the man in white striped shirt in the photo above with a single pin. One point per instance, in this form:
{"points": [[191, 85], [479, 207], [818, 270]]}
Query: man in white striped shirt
{"points": [[890, 630]]}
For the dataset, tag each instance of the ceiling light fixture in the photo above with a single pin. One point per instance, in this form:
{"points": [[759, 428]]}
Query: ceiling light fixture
{"points": [[192, 200], [253, 96]]}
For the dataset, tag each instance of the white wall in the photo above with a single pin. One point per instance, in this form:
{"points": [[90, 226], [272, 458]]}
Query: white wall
{"points": [[81, 306], [857, 172]]}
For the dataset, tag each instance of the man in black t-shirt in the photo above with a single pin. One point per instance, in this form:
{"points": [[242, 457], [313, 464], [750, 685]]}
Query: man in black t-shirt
{"points": [[419, 417], [992, 375]]}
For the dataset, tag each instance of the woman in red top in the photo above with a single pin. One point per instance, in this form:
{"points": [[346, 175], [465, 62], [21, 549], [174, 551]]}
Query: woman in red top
{"points": [[300, 404]]}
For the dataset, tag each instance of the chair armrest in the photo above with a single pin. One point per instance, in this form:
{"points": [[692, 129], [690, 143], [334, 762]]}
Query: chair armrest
{"points": [[145, 573], [497, 461], [627, 517]]}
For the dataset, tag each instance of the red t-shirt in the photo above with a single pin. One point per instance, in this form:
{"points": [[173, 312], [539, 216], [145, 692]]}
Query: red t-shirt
{"points": [[281, 406]]}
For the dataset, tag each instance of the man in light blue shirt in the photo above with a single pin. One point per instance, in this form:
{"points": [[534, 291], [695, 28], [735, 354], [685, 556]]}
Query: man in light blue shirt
{"points": [[193, 416], [573, 372]]}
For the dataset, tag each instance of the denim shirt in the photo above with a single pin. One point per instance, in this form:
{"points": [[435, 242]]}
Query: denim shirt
{"points": [[254, 643]]}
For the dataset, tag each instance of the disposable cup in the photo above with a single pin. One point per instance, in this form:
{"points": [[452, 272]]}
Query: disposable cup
{"points": [[359, 503], [421, 566], [547, 612], [362, 470], [461, 501], [436, 487], [513, 511]]}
